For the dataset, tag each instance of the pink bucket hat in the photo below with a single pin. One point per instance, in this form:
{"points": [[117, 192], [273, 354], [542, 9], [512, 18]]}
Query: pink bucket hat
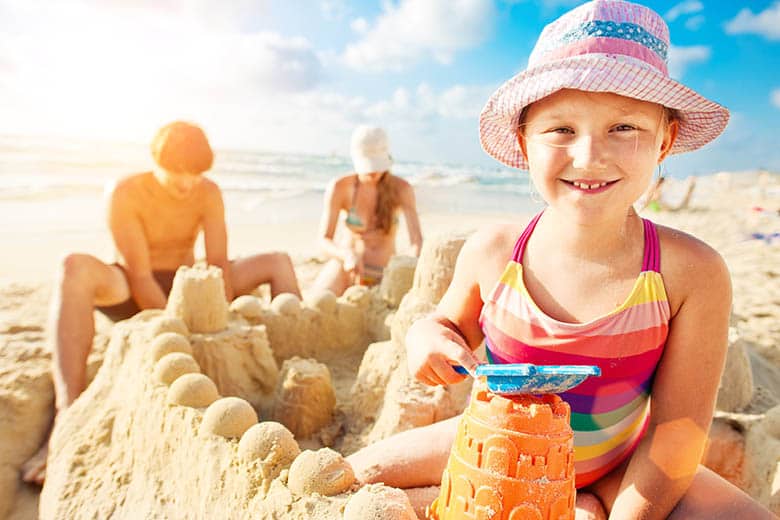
{"points": [[602, 46]]}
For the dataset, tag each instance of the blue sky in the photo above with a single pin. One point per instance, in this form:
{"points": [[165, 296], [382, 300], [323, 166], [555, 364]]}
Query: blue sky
{"points": [[297, 76]]}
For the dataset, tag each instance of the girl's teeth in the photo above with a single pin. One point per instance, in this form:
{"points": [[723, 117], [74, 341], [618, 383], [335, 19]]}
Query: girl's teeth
{"points": [[584, 186]]}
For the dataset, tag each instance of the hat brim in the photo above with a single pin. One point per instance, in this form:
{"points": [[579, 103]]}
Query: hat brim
{"points": [[701, 120], [364, 164]]}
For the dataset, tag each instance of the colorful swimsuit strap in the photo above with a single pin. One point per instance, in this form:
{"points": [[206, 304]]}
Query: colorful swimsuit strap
{"points": [[652, 255]]}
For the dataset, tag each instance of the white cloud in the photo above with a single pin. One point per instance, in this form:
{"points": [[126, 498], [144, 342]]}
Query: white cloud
{"points": [[775, 97], [424, 103], [683, 8], [359, 25], [694, 23], [765, 23], [681, 57], [406, 32], [98, 73]]}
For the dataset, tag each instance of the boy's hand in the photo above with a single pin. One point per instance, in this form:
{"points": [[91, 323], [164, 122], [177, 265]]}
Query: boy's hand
{"points": [[431, 350]]}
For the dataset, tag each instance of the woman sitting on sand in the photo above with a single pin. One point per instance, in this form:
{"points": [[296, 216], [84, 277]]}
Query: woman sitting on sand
{"points": [[359, 219]]}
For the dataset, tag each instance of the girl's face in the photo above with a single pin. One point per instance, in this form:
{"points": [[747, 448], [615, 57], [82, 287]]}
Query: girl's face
{"points": [[594, 153], [179, 185]]}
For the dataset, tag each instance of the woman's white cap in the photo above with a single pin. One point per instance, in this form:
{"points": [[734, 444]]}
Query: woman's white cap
{"points": [[370, 150]]}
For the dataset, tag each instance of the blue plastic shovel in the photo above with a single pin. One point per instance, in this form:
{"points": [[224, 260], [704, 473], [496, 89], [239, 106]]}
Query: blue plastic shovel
{"points": [[526, 378]]}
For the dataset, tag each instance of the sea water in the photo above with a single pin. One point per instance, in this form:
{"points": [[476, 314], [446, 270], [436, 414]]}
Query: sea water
{"points": [[260, 185]]}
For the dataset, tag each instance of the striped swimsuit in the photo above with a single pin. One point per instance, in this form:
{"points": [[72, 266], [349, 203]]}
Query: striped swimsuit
{"points": [[609, 413]]}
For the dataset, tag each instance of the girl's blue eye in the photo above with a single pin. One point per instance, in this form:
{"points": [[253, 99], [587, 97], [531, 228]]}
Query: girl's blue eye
{"points": [[562, 130], [624, 128]]}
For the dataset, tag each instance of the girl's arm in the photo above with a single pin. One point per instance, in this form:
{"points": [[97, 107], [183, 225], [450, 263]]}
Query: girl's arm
{"points": [[409, 208], [450, 335], [686, 382]]}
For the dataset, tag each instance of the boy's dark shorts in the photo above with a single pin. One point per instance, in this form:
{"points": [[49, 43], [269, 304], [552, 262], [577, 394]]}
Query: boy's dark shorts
{"points": [[128, 308]]}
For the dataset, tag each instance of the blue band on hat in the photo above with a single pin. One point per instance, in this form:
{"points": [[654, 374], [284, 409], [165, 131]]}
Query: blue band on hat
{"points": [[623, 31]]}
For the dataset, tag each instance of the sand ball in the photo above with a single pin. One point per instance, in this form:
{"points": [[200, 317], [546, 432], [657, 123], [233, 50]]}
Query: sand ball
{"points": [[247, 306], [168, 342], [167, 324], [378, 502], [287, 304], [323, 471], [229, 417], [358, 294], [195, 390], [271, 445], [772, 422], [324, 301], [173, 365]]}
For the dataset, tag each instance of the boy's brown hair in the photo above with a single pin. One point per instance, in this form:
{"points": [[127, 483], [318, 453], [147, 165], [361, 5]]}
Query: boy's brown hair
{"points": [[181, 147]]}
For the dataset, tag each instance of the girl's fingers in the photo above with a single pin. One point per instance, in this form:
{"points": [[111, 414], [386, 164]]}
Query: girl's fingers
{"points": [[444, 371], [465, 358], [427, 377]]}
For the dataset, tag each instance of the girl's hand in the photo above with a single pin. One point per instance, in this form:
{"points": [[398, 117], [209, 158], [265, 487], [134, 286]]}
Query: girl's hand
{"points": [[432, 348]]}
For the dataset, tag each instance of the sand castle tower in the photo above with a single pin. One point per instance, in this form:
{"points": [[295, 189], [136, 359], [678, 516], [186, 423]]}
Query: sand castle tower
{"points": [[198, 298], [513, 459]]}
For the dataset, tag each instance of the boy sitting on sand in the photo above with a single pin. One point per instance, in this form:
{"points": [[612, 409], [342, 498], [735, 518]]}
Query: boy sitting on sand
{"points": [[154, 218]]}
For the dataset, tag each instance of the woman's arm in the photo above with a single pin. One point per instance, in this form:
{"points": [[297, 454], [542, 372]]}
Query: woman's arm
{"points": [[215, 233], [686, 382], [409, 208], [332, 205]]}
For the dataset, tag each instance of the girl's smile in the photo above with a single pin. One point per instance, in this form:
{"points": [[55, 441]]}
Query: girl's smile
{"points": [[589, 186], [593, 153]]}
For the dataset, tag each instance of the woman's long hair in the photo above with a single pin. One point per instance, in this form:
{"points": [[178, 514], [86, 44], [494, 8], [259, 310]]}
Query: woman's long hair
{"points": [[386, 203]]}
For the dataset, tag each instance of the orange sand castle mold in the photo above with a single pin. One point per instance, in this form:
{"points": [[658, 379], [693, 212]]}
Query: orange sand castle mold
{"points": [[513, 459]]}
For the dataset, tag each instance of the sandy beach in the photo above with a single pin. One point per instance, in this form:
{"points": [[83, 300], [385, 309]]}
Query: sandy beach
{"points": [[735, 213]]}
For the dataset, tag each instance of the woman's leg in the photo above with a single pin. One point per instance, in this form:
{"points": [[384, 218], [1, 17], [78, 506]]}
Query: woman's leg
{"points": [[273, 268]]}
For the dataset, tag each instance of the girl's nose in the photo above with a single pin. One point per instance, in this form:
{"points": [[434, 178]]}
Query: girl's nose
{"points": [[588, 153]]}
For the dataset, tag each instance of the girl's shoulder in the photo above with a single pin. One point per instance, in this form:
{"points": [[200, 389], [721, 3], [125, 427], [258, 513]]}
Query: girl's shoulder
{"points": [[495, 241], [689, 266]]}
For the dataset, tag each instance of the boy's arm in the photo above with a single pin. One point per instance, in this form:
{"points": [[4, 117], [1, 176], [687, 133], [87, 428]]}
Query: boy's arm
{"points": [[409, 207], [130, 240], [215, 234], [685, 386]]}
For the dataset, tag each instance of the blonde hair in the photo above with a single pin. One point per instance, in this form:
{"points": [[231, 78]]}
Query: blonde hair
{"points": [[386, 202]]}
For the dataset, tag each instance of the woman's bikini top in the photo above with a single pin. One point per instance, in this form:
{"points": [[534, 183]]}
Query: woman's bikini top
{"points": [[353, 221]]}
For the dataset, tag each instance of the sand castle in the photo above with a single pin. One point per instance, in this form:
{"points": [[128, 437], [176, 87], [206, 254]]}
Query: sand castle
{"points": [[513, 458], [191, 414], [165, 437]]}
